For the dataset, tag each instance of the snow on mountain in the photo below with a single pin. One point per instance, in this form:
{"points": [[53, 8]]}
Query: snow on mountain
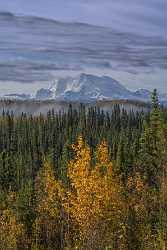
{"points": [[17, 96], [143, 94], [44, 94], [85, 87], [88, 88]]}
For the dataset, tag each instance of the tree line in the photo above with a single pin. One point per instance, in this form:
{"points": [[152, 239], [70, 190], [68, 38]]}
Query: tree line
{"points": [[84, 179]]}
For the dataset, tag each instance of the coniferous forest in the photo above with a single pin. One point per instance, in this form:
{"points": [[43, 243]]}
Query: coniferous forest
{"points": [[84, 179]]}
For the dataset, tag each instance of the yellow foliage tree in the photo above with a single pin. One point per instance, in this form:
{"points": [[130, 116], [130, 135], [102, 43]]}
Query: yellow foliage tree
{"points": [[140, 202], [10, 230], [161, 237], [47, 223], [93, 200]]}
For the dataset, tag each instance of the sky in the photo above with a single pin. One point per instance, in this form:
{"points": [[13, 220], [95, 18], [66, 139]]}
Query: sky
{"points": [[145, 17], [141, 16]]}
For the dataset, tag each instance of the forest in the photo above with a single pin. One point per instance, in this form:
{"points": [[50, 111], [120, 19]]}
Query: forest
{"points": [[84, 179]]}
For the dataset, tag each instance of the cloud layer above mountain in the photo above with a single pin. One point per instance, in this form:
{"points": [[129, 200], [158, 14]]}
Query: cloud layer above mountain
{"points": [[135, 60], [144, 16]]}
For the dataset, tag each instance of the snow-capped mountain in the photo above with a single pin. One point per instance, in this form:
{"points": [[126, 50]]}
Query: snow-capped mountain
{"points": [[87, 88]]}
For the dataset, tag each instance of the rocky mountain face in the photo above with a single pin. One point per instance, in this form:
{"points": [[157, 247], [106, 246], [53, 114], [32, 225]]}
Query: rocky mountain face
{"points": [[87, 88], [44, 94]]}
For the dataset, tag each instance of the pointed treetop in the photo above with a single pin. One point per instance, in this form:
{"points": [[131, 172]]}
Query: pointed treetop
{"points": [[155, 101]]}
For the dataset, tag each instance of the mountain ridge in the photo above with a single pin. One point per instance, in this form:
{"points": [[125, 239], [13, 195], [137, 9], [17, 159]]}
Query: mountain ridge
{"points": [[87, 88]]}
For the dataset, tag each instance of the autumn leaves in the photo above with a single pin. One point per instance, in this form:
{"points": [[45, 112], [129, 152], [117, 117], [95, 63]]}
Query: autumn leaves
{"points": [[86, 213]]}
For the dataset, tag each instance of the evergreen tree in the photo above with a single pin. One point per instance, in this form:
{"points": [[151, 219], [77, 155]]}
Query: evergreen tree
{"points": [[153, 145]]}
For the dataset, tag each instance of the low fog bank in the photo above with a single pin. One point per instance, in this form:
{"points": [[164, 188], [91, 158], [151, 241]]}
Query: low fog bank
{"points": [[36, 108]]}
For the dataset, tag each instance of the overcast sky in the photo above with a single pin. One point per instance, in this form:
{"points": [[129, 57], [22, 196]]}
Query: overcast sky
{"points": [[144, 16]]}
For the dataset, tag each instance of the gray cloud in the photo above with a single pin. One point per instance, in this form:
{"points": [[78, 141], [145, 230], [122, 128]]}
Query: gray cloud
{"points": [[144, 16]]}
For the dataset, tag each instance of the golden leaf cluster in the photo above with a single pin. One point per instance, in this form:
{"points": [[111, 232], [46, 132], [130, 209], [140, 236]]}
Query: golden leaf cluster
{"points": [[10, 230], [93, 195]]}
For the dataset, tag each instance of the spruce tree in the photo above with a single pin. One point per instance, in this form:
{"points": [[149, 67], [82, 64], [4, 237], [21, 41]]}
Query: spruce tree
{"points": [[153, 145]]}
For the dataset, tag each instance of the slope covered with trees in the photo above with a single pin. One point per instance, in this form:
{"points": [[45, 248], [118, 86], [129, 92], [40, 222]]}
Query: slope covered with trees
{"points": [[84, 180]]}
